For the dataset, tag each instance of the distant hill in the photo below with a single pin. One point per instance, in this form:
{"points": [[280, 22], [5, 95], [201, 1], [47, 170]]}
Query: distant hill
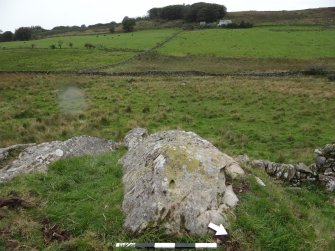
{"points": [[320, 16]]}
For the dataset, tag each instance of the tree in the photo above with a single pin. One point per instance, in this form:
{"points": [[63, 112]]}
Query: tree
{"points": [[6, 36], [155, 13], [192, 13], [173, 12], [112, 26], [22, 34], [205, 12], [128, 24]]}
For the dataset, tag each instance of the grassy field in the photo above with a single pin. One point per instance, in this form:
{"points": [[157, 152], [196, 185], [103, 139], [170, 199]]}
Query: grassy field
{"points": [[265, 42], [276, 118], [213, 50], [69, 59], [110, 49], [140, 40]]}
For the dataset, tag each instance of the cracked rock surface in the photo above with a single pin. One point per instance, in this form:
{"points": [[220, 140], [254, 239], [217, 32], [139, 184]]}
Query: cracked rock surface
{"points": [[177, 180], [37, 157]]}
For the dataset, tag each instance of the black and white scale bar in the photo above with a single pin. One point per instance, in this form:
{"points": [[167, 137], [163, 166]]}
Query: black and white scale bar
{"points": [[167, 245]]}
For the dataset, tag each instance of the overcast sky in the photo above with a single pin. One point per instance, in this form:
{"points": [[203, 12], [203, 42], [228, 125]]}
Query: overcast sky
{"points": [[51, 13]]}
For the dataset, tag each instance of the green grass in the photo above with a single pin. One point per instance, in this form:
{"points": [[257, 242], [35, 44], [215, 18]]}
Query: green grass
{"points": [[213, 50], [262, 42], [82, 196], [47, 59], [110, 49], [279, 217], [140, 40], [80, 199], [270, 118]]}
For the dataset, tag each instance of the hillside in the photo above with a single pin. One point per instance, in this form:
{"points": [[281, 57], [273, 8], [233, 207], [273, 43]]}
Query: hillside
{"points": [[320, 16]]}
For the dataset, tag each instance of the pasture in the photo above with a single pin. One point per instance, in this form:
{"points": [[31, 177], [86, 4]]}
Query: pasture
{"points": [[259, 42], [140, 40], [212, 50]]}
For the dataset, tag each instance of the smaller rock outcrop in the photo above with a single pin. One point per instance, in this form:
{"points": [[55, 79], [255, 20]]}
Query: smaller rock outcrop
{"points": [[37, 157], [134, 137], [177, 180]]}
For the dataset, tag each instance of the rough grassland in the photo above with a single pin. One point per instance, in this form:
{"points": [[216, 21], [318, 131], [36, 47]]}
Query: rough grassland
{"points": [[276, 118], [320, 16], [265, 42]]}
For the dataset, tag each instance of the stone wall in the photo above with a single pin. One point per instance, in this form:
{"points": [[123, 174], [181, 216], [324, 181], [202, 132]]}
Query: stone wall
{"points": [[323, 170]]}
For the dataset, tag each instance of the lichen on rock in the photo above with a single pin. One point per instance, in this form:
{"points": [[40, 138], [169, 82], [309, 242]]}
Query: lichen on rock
{"points": [[176, 179]]}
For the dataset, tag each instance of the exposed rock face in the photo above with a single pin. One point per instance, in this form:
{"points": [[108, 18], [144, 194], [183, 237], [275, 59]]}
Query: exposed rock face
{"points": [[34, 157], [134, 137], [176, 179]]}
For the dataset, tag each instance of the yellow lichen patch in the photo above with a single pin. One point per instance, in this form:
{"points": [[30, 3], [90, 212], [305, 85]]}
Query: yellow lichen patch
{"points": [[178, 158]]}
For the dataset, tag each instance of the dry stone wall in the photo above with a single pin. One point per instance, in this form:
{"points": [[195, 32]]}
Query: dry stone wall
{"points": [[323, 170]]}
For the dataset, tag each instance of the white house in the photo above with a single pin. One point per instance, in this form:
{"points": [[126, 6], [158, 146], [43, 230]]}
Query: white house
{"points": [[224, 22]]}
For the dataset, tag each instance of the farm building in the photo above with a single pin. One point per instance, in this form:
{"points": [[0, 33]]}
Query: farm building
{"points": [[224, 22]]}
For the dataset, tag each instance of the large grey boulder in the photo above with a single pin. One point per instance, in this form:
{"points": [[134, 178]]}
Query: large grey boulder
{"points": [[37, 157], [176, 179]]}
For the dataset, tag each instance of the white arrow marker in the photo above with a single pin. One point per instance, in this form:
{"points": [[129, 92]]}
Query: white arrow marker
{"points": [[220, 230]]}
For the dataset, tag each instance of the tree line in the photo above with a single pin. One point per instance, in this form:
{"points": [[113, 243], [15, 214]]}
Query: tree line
{"points": [[197, 12], [28, 33], [21, 34]]}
